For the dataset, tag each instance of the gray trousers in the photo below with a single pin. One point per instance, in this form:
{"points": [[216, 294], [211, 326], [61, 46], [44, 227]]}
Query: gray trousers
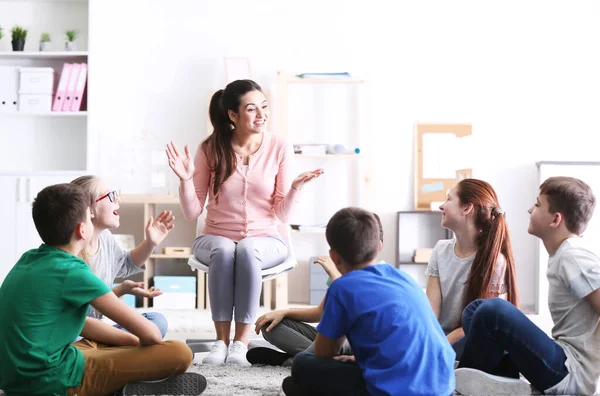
{"points": [[293, 337], [234, 273]]}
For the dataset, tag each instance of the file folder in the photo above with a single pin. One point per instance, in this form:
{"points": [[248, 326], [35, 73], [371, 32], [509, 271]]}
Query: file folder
{"points": [[79, 88], [71, 87], [61, 90]]}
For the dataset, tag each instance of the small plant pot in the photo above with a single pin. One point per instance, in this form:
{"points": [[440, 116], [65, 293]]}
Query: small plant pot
{"points": [[45, 46], [18, 45], [70, 46]]}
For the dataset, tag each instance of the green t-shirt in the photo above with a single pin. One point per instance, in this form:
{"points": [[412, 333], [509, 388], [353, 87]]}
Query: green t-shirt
{"points": [[43, 305]]}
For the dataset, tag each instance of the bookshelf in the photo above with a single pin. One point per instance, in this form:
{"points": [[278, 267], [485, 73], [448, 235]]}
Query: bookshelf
{"points": [[323, 111], [34, 134], [135, 210]]}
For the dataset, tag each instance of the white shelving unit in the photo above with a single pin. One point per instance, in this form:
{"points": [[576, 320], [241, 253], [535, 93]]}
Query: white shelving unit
{"points": [[324, 111], [39, 149]]}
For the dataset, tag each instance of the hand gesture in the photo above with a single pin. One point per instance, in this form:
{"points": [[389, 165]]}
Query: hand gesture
{"points": [[326, 263], [271, 317], [157, 230], [137, 289], [345, 358], [182, 166], [305, 177]]}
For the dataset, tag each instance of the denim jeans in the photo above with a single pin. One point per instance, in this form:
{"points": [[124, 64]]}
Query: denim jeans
{"points": [[325, 376], [156, 318], [501, 340]]}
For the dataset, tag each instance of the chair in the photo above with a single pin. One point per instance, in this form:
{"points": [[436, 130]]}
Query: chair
{"points": [[274, 290], [275, 293]]}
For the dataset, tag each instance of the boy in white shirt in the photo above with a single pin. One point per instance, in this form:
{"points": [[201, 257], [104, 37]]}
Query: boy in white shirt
{"points": [[501, 340]]}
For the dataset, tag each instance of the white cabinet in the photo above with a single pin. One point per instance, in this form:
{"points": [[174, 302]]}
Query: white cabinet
{"points": [[19, 233]]}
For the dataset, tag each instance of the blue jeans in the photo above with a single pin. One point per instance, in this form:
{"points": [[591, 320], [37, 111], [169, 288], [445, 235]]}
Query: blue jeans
{"points": [[458, 347], [501, 340], [157, 318], [324, 376]]}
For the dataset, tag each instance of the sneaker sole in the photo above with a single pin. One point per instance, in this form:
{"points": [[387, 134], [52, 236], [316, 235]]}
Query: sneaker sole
{"points": [[471, 382], [268, 356], [187, 384]]}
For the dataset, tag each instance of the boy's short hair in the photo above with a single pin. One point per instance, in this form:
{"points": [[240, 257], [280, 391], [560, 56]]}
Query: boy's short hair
{"points": [[354, 234], [572, 198], [380, 226], [57, 210]]}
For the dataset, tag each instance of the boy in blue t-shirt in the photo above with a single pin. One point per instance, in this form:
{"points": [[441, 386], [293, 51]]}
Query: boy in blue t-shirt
{"points": [[399, 346]]}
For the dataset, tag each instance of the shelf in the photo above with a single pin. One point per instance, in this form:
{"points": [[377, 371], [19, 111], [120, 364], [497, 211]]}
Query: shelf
{"points": [[410, 263], [42, 54], [172, 256], [148, 199], [332, 156], [310, 231], [318, 80], [64, 114]]}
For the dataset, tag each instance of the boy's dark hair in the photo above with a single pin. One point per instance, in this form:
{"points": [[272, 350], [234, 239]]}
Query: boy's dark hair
{"points": [[380, 226], [354, 234], [57, 210], [572, 198]]}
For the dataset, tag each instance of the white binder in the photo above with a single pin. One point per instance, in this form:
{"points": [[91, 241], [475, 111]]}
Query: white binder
{"points": [[9, 89]]}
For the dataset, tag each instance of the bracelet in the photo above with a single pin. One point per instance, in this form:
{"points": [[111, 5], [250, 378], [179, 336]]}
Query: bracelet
{"points": [[186, 179]]}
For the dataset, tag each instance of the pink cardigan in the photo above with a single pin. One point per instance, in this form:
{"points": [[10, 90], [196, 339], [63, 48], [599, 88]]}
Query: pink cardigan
{"points": [[249, 205]]}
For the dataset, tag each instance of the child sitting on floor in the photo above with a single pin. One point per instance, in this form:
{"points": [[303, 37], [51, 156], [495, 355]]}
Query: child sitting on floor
{"points": [[398, 344], [501, 340], [43, 304]]}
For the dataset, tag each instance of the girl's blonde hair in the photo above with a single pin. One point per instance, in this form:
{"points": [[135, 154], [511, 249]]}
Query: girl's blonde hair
{"points": [[89, 183]]}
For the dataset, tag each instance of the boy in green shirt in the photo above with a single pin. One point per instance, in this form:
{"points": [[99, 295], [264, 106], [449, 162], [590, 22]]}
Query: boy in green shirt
{"points": [[43, 305]]}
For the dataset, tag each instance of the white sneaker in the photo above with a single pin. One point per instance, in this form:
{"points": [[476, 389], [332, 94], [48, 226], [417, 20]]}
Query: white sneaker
{"points": [[237, 354], [217, 355], [475, 382]]}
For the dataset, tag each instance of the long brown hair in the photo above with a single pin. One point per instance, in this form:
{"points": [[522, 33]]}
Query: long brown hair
{"points": [[493, 240], [217, 147]]}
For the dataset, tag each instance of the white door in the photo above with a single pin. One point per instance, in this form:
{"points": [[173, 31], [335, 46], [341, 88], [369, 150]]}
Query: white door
{"points": [[8, 200]]}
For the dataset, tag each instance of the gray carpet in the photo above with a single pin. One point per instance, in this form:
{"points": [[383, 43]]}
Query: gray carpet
{"points": [[232, 380]]}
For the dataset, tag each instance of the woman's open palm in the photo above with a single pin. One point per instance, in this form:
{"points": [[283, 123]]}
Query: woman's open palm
{"points": [[183, 166]]}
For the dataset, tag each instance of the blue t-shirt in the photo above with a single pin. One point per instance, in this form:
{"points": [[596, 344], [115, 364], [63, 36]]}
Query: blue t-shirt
{"points": [[397, 341]]}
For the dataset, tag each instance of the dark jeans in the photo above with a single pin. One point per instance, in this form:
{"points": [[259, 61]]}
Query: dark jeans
{"points": [[314, 375], [501, 340], [458, 347]]}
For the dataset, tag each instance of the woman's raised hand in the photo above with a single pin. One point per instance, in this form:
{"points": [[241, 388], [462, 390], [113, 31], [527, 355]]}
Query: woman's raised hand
{"points": [[183, 166], [305, 177]]}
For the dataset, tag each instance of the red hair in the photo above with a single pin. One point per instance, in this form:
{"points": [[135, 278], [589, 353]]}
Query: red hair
{"points": [[493, 240]]}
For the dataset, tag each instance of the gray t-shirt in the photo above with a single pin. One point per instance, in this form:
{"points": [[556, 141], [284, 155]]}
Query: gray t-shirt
{"points": [[111, 262], [453, 272], [573, 273]]}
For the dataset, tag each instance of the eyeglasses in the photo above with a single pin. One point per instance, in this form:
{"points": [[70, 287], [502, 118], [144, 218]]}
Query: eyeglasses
{"points": [[112, 196]]}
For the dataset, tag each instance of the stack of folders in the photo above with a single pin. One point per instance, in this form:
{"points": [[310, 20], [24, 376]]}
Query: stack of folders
{"points": [[71, 87]]}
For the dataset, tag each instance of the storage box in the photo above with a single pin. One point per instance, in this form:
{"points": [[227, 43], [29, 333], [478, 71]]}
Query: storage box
{"points": [[179, 292], [36, 80], [35, 103], [422, 255], [177, 250]]}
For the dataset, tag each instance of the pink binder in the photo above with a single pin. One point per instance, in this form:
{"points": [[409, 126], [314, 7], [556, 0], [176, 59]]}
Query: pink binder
{"points": [[71, 87], [79, 88], [61, 90]]}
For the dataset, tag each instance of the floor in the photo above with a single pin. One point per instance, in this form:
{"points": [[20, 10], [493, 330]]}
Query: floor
{"points": [[231, 380]]}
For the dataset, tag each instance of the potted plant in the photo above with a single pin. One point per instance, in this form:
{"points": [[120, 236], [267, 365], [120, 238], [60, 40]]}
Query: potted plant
{"points": [[45, 41], [19, 35], [1, 34], [70, 45]]}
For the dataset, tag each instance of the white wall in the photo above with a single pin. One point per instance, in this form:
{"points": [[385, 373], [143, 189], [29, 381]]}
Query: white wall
{"points": [[525, 74]]}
